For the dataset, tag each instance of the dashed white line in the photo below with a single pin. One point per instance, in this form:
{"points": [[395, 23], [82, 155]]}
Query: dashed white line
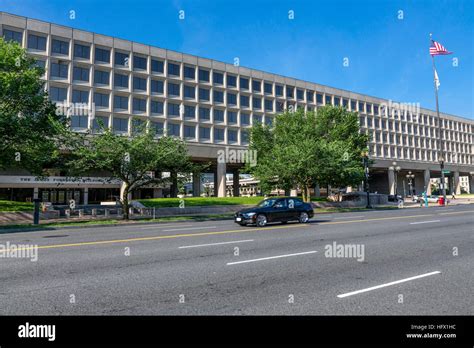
{"points": [[222, 243], [271, 257], [388, 284], [424, 222], [186, 229]]}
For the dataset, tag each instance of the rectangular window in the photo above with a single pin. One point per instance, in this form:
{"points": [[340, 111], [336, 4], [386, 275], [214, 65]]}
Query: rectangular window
{"points": [[173, 129], [173, 69], [231, 98], [345, 103], [11, 35], [59, 70], [157, 66], [189, 92], [268, 105], [80, 96], [300, 94], [102, 55], [101, 99], [100, 122], [121, 80], [189, 132], [173, 109], [60, 47], [257, 119], [139, 63], [157, 127], [121, 59], [268, 121], [231, 81], [244, 136], [80, 74], [290, 92], [328, 100], [280, 106], [218, 134], [57, 94], [203, 75], [157, 107], [204, 133], [319, 98], [353, 105], [204, 114], [37, 42], [279, 90], [139, 84], [231, 117], [101, 77], [244, 83], [257, 103], [139, 104], [256, 86], [244, 101], [189, 72], [218, 78], [120, 124], [120, 102], [79, 121], [232, 136], [267, 87], [173, 89], [218, 115], [189, 111], [244, 119], [82, 51], [368, 108], [310, 96], [157, 86], [337, 101], [204, 94], [218, 97]]}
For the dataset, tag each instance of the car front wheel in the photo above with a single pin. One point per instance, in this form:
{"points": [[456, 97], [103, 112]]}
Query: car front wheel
{"points": [[304, 218], [261, 220]]}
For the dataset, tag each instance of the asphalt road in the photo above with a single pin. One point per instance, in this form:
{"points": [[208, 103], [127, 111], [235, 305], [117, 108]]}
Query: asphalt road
{"points": [[415, 262]]}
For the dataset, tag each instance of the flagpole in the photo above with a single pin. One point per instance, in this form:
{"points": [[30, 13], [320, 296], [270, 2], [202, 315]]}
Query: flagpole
{"points": [[441, 143]]}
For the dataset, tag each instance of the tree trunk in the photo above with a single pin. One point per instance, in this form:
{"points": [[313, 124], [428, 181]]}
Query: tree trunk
{"points": [[124, 190]]}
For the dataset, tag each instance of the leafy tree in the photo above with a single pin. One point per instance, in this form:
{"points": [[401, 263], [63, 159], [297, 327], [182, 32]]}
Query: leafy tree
{"points": [[30, 127], [133, 160], [303, 149]]}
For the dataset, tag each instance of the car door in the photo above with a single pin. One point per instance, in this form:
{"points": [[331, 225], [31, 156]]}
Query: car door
{"points": [[292, 212], [279, 210]]}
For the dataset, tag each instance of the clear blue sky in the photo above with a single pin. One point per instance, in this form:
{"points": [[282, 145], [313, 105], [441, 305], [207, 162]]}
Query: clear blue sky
{"points": [[388, 56]]}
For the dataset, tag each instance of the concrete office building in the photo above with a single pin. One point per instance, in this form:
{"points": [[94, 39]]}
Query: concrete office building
{"points": [[210, 105]]}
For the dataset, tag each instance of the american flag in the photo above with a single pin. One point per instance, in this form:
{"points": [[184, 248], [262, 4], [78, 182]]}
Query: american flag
{"points": [[437, 49]]}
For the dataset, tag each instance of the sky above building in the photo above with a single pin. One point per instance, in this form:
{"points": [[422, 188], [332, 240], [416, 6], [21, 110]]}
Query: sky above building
{"points": [[376, 47]]}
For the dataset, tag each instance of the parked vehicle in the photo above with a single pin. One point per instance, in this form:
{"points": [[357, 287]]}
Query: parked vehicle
{"points": [[282, 209], [430, 199], [394, 198]]}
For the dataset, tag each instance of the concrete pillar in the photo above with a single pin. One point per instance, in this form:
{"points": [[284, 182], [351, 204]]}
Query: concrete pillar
{"points": [[391, 182], [174, 185], [221, 179], [457, 183], [348, 189], [471, 183], [235, 183], [35, 193], [86, 196], [196, 184], [427, 177], [317, 191], [294, 193]]}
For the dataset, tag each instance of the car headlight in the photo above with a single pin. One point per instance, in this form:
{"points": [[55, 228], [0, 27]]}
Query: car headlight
{"points": [[248, 215]]}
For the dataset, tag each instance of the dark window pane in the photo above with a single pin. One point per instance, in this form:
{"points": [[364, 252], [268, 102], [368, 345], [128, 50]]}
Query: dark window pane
{"points": [[157, 86], [121, 80], [204, 94], [101, 77], [139, 84], [120, 102], [139, 62], [57, 94], [204, 114], [157, 66], [203, 75], [173, 69], [80, 74], [102, 55], [218, 115], [218, 78], [101, 99], [231, 81], [244, 83], [189, 92], [156, 107], [11, 35], [173, 89], [82, 51], [60, 47], [189, 72], [121, 59], [37, 42]]}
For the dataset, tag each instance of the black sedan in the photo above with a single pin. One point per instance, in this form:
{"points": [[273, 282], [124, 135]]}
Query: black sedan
{"points": [[281, 209]]}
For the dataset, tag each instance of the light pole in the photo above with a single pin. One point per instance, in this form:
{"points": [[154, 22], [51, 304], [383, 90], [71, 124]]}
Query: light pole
{"points": [[410, 178], [365, 157], [395, 169]]}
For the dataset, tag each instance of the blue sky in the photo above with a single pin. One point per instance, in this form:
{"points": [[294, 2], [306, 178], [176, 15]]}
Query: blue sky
{"points": [[388, 55]]}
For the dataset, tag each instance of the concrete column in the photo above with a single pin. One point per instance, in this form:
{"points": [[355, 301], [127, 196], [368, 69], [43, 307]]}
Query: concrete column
{"points": [[294, 193], [391, 182], [174, 185], [196, 184], [349, 189], [317, 191], [235, 183], [427, 177], [471, 183], [35, 193], [86, 196], [214, 194], [221, 179], [457, 183]]}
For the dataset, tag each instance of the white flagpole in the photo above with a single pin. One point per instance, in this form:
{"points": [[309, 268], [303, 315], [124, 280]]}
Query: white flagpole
{"points": [[440, 143]]}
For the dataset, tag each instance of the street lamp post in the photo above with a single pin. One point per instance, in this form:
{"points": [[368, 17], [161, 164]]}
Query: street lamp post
{"points": [[365, 156], [410, 178], [395, 169]]}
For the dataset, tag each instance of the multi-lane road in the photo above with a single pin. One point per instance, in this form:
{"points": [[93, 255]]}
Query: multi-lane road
{"points": [[406, 261]]}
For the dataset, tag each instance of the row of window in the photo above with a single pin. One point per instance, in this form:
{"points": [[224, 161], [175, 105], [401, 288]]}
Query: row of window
{"points": [[414, 154]]}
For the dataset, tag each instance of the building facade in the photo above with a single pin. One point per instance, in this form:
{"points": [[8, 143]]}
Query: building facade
{"points": [[211, 105]]}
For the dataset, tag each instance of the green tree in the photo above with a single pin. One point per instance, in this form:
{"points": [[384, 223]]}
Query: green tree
{"points": [[303, 149], [133, 160], [30, 127]]}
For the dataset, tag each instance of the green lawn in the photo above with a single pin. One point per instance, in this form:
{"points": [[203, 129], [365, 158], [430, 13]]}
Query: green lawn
{"points": [[11, 206], [199, 201]]}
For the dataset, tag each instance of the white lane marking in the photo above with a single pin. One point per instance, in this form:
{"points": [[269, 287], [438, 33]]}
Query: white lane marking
{"points": [[203, 245], [388, 284], [349, 217], [193, 228], [164, 225], [271, 257], [424, 222]]}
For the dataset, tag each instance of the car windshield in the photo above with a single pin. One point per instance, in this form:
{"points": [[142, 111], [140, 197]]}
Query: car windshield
{"points": [[266, 203]]}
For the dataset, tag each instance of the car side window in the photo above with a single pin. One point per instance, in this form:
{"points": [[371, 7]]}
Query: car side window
{"points": [[280, 204], [291, 204]]}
